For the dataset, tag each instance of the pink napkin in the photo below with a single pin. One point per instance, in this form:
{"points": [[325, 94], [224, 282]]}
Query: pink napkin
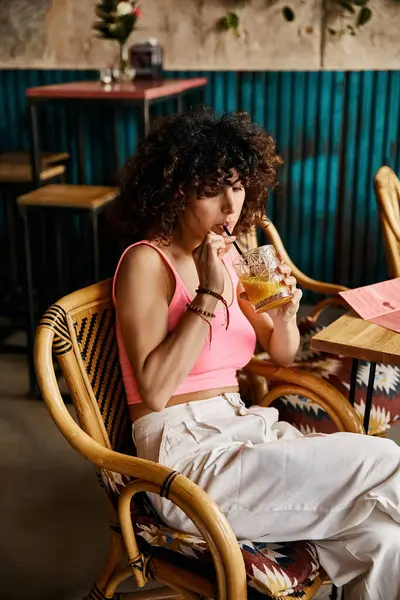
{"points": [[378, 303]]}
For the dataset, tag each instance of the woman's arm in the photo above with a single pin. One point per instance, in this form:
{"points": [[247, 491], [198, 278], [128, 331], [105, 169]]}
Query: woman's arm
{"points": [[160, 361]]}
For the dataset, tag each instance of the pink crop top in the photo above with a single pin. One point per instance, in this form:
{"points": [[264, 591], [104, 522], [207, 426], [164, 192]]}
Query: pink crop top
{"points": [[230, 350]]}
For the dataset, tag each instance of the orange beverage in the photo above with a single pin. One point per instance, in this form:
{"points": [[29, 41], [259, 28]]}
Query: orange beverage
{"points": [[258, 271], [264, 293]]}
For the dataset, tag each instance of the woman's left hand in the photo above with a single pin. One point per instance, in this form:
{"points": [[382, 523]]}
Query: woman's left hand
{"points": [[288, 311]]}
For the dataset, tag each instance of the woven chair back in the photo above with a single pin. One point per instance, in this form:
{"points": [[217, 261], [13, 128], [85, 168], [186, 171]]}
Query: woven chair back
{"points": [[86, 348], [387, 189]]}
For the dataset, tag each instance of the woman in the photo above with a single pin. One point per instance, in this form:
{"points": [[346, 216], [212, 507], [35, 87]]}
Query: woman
{"points": [[174, 287]]}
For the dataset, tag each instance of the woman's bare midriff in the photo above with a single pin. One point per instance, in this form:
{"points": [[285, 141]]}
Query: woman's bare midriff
{"points": [[140, 410]]}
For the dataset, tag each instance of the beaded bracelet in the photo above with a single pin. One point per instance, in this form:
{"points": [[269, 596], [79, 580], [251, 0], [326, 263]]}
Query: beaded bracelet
{"points": [[200, 311], [201, 290], [203, 314]]}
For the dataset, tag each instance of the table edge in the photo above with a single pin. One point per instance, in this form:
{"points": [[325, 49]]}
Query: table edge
{"points": [[358, 353], [41, 92]]}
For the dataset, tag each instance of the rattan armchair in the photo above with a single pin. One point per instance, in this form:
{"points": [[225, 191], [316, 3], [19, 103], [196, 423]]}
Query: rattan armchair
{"points": [[387, 191], [79, 331]]}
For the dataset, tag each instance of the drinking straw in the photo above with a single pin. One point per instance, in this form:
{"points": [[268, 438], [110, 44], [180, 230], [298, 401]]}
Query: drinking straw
{"points": [[234, 243]]}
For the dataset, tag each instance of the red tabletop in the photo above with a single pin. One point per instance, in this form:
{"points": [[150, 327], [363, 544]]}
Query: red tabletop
{"points": [[137, 90]]}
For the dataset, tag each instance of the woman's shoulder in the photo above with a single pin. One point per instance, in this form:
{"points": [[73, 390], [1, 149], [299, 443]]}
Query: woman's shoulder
{"points": [[141, 260], [142, 266], [140, 255]]}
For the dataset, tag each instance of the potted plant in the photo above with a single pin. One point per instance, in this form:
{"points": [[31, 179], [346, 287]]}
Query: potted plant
{"points": [[116, 21]]}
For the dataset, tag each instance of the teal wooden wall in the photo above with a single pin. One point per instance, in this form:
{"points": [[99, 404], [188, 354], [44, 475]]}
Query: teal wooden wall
{"points": [[333, 130]]}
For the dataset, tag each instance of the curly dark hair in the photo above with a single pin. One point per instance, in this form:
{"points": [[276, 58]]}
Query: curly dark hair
{"points": [[189, 152]]}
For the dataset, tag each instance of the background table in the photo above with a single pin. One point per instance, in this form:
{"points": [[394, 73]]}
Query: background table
{"points": [[141, 93], [64, 210], [352, 336]]}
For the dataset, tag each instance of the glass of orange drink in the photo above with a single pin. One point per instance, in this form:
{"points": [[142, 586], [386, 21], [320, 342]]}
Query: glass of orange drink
{"points": [[258, 273]]}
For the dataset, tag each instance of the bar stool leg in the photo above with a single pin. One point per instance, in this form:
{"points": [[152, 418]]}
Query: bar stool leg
{"points": [[43, 291], [179, 103], [95, 239], [30, 309], [59, 255], [203, 96], [35, 145], [81, 150], [116, 143], [12, 233], [145, 118]]}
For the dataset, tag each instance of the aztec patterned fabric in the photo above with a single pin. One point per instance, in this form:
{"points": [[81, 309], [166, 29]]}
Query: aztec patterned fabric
{"points": [[308, 417], [287, 570]]}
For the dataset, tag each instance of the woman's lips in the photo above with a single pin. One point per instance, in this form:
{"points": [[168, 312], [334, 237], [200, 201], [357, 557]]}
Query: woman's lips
{"points": [[219, 228]]}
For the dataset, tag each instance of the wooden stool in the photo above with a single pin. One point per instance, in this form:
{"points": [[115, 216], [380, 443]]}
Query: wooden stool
{"points": [[15, 167], [85, 200], [15, 179]]}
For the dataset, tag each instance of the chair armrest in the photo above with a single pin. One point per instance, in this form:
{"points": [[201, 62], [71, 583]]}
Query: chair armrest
{"points": [[308, 283], [137, 561], [335, 301], [197, 505], [311, 386]]}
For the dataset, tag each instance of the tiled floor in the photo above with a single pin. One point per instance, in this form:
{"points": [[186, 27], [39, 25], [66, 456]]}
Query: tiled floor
{"points": [[53, 514]]}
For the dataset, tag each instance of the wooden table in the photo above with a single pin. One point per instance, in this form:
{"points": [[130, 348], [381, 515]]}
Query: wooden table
{"points": [[358, 339], [142, 93]]}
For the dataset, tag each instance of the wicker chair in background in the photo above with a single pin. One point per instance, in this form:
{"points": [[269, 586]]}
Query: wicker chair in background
{"points": [[387, 191], [79, 331]]}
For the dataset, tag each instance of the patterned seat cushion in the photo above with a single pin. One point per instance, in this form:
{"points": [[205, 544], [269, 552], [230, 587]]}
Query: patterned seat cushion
{"points": [[308, 417], [285, 570]]}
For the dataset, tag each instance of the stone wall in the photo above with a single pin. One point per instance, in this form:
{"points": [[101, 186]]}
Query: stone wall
{"points": [[57, 34]]}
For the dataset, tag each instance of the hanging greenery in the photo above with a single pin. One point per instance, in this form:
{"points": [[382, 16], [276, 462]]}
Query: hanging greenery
{"points": [[231, 21], [352, 14]]}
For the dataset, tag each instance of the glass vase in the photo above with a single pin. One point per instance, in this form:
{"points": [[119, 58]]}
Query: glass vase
{"points": [[123, 72]]}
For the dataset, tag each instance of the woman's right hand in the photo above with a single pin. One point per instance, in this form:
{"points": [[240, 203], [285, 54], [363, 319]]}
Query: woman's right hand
{"points": [[207, 258]]}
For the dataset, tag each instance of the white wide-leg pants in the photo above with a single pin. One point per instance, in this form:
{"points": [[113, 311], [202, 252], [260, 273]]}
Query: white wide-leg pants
{"points": [[341, 491]]}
